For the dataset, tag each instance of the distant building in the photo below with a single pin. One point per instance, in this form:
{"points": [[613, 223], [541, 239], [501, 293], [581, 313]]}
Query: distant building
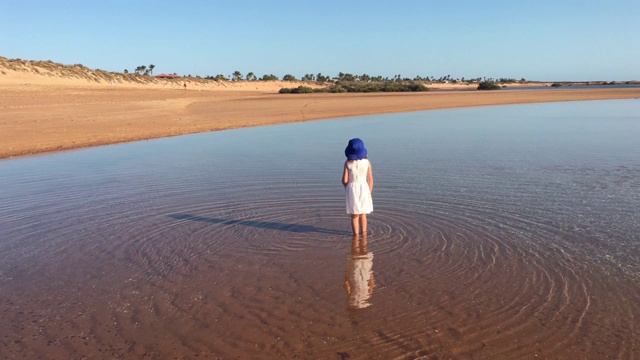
{"points": [[168, 76]]}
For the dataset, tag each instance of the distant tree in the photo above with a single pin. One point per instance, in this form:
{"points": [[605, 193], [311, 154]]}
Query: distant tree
{"points": [[126, 71], [236, 76], [269, 77], [220, 77], [346, 77], [289, 77], [251, 77], [321, 78], [308, 77], [151, 67]]}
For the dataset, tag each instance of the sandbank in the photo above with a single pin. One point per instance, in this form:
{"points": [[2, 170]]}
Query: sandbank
{"points": [[45, 112]]}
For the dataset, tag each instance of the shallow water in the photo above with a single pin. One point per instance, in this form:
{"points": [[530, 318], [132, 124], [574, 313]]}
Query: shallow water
{"points": [[498, 232]]}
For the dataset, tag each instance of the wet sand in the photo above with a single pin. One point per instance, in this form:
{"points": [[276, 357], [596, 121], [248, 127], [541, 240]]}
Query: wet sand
{"points": [[45, 118]]}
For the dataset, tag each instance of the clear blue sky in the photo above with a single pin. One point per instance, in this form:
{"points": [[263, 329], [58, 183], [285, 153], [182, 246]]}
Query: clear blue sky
{"points": [[543, 40]]}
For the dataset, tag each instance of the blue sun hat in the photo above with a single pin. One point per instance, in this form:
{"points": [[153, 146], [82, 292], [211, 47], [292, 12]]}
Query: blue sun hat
{"points": [[355, 150]]}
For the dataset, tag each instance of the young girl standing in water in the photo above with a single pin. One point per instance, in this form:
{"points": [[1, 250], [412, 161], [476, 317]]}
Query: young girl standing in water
{"points": [[357, 179]]}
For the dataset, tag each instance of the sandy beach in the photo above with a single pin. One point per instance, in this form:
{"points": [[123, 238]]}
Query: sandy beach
{"points": [[47, 110]]}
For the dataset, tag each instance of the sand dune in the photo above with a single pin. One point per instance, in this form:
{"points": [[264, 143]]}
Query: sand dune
{"points": [[50, 107]]}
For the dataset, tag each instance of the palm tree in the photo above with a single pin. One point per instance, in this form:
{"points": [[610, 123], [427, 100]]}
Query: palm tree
{"points": [[140, 70], [321, 78]]}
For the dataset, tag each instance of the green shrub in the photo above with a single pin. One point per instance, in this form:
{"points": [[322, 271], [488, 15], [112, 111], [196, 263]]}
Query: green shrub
{"points": [[357, 87], [299, 90], [335, 89], [488, 85]]}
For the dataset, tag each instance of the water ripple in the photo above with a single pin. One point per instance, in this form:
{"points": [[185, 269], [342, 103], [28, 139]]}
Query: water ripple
{"points": [[248, 254]]}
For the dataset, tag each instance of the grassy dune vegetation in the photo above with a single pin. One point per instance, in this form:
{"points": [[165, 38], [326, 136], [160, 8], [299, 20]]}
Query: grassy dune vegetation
{"points": [[288, 84]]}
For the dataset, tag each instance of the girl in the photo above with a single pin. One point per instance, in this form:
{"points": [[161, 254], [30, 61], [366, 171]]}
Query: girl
{"points": [[357, 179]]}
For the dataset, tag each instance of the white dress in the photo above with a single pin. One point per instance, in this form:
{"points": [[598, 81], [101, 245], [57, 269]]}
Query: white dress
{"points": [[358, 194]]}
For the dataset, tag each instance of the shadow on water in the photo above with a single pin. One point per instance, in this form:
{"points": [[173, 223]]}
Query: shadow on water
{"points": [[295, 228]]}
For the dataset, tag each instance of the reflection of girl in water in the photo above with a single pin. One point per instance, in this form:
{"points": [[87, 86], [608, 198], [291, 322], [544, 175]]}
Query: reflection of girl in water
{"points": [[358, 278]]}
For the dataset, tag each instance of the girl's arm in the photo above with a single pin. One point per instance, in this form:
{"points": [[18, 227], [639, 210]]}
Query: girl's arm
{"points": [[370, 178], [345, 175]]}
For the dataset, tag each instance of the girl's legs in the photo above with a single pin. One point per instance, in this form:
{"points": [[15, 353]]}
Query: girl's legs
{"points": [[359, 224], [355, 223], [363, 223]]}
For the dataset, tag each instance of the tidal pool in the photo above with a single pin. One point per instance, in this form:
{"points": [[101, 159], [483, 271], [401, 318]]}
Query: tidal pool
{"points": [[497, 232]]}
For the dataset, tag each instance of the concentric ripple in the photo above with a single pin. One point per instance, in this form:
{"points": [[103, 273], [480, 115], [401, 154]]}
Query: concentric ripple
{"points": [[233, 245]]}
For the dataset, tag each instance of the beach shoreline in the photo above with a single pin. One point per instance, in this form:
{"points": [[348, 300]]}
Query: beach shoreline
{"points": [[48, 116]]}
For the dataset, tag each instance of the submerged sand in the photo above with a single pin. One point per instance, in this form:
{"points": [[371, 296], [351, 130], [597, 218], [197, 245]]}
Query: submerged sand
{"points": [[506, 247]]}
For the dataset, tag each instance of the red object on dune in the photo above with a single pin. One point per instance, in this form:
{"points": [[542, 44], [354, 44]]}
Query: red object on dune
{"points": [[168, 76]]}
